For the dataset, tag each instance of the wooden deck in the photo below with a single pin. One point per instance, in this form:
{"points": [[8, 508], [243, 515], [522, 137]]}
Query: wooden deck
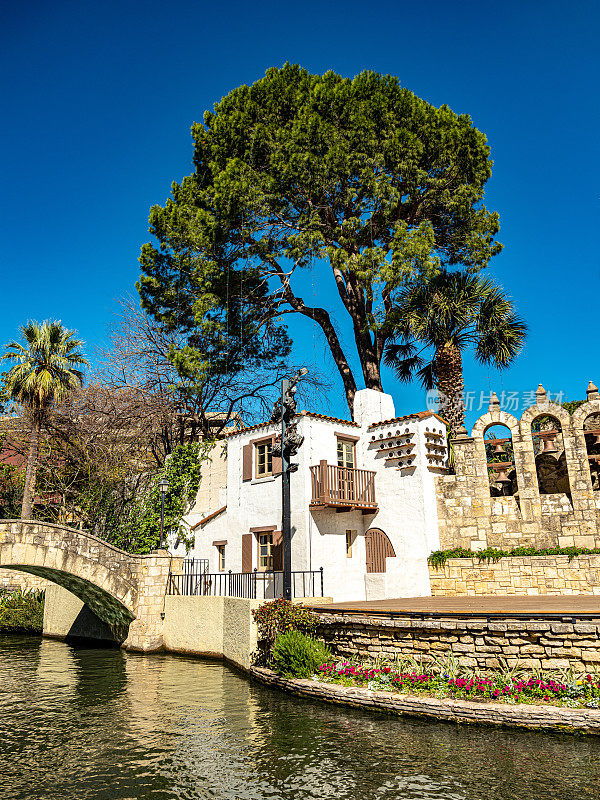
{"points": [[480, 606]]}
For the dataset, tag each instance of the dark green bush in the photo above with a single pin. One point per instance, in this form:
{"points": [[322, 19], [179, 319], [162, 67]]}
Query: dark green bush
{"points": [[21, 612], [279, 616], [296, 655]]}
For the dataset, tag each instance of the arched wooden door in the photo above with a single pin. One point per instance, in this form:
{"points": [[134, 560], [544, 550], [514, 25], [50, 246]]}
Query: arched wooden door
{"points": [[378, 548]]}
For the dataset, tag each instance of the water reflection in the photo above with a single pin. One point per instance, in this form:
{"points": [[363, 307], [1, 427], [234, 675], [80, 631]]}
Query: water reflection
{"points": [[87, 723]]}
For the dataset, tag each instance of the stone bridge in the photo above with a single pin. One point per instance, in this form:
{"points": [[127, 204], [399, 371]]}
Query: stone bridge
{"points": [[125, 591]]}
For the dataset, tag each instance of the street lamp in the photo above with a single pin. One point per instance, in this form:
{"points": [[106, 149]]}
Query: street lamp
{"points": [[164, 488], [288, 445]]}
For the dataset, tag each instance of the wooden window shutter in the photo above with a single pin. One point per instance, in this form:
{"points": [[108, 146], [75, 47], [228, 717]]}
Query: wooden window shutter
{"points": [[277, 550], [247, 462], [246, 552], [378, 548], [276, 459]]}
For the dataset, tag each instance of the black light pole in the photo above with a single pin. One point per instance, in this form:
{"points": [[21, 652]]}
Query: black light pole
{"points": [[286, 522], [164, 488], [288, 446]]}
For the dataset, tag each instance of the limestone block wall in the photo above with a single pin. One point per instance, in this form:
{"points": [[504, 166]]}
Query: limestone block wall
{"points": [[11, 579], [523, 575], [469, 517], [481, 644]]}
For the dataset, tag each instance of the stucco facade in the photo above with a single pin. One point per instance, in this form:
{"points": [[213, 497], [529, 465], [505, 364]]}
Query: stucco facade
{"points": [[396, 457]]}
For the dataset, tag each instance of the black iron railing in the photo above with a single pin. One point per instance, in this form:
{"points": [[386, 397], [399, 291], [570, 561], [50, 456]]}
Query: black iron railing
{"points": [[252, 585]]}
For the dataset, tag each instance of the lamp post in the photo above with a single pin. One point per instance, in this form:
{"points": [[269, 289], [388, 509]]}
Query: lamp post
{"points": [[164, 488], [286, 447]]}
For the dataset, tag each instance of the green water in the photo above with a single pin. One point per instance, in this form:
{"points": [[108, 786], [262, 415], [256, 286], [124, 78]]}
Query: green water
{"points": [[80, 723]]}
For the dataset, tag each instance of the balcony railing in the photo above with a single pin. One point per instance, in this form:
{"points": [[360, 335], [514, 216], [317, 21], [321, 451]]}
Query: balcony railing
{"points": [[343, 488], [253, 585]]}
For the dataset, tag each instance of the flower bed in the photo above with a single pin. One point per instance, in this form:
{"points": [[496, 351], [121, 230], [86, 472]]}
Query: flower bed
{"points": [[499, 687]]}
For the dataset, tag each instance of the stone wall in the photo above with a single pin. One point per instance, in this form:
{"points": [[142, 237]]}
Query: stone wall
{"points": [[517, 575], [12, 579], [477, 643], [468, 516]]}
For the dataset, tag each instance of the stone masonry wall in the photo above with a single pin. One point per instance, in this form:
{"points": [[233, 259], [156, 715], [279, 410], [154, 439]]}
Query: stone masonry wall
{"points": [[469, 517], [12, 580], [522, 575], [481, 644]]}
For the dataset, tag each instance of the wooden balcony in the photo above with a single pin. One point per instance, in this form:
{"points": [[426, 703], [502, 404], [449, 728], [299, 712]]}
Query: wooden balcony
{"points": [[342, 488]]}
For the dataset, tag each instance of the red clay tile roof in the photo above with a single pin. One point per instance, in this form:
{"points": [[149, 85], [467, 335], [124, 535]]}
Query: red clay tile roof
{"points": [[209, 517], [418, 415], [304, 413], [330, 419]]}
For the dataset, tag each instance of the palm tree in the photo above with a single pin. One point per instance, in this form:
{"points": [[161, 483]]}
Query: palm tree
{"points": [[447, 314], [47, 369]]}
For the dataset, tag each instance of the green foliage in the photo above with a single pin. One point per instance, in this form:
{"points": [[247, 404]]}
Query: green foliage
{"points": [[439, 557], [296, 655], [48, 366], [438, 319], [279, 616], [357, 174], [572, 405], [21, 612], [137, 530]]}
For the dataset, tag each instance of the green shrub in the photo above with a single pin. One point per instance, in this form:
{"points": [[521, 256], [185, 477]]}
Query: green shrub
{"points": [[21, 612], [296, 655], [279, 616]]}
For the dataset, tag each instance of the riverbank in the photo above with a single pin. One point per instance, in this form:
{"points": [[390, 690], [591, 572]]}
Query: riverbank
{"points": [[22, 611], [531, 717]]}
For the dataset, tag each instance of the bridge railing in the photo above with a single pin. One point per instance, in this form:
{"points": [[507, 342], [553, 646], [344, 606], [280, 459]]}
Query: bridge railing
{"points": [[251, 585]]}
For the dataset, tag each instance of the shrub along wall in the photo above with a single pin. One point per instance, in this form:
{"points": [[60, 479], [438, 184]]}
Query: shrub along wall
{"points": [[517, 575], [477, 643]]}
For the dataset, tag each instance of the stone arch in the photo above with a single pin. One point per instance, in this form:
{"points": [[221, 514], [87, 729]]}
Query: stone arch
{"points": [[497, 417], [103, 577], [549, 436], [499, 452]]}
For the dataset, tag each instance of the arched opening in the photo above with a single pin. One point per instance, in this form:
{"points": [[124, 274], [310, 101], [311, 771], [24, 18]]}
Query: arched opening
{"points": [[106, 607], [378, 547], [591, 431], [550, 459], [500, 458]]}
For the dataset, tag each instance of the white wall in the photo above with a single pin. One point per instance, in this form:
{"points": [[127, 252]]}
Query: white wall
{"points": [[406, 500]]}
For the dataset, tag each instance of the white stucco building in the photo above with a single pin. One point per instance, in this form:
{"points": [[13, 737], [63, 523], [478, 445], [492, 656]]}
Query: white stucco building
{"points": [[363, 501]]}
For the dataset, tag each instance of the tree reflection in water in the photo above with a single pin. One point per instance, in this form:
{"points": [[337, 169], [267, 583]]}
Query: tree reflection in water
{"points": [[102, 724]]}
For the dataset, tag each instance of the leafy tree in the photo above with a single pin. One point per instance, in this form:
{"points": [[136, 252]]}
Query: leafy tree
{"points": [[48, 367], [137, 527], [444, 316], [360, 175]]}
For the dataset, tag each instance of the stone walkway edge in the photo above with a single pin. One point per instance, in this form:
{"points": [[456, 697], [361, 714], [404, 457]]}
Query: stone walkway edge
{"points": [[536, 717]]}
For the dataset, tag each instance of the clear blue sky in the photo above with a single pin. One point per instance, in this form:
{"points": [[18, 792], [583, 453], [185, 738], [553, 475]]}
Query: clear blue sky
{"points": [[98, 99]]}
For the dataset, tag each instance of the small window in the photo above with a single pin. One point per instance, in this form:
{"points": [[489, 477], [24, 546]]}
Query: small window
{"points": [[221, 555], [345, 453], [263, 459], [265, 551], [349, 539]]}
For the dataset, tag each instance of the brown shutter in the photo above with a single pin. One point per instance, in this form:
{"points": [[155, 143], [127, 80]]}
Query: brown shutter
{"points": [[246, 552], [277, 550], [247, 462], [276, 459], [378, 547]]}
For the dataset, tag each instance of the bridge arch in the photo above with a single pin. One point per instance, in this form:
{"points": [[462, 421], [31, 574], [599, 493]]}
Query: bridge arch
{"points": [[120, 588]]}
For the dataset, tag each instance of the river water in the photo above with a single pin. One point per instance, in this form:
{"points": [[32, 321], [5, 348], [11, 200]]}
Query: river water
{"points": [[80, 723]]}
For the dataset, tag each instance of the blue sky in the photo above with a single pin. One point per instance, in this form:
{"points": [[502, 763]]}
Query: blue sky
{"points": [[98, 100]]}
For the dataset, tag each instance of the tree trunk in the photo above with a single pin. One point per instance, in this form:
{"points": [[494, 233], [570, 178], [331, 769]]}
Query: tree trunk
{"points": [[32, 462], [450, 385]]}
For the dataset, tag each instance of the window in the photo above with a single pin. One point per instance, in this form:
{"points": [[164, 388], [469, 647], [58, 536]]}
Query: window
{"points": [[265, 551], [263, 459], [221, 555], [345, 453], [349, 539]]}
